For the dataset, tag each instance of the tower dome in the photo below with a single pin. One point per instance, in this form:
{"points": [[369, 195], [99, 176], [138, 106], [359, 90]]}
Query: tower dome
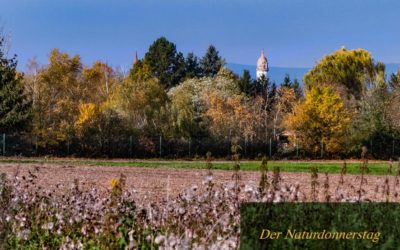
{"points": [[262, 65]]}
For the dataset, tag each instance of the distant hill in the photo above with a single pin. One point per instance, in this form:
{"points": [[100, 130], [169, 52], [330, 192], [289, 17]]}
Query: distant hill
{"points": [[276, 74]]}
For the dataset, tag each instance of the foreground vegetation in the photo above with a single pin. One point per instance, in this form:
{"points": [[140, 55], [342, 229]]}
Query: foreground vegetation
{"points": [[205, 216]]}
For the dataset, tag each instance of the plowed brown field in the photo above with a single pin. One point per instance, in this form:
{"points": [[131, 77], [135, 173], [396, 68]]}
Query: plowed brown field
{"points": [[154, 184]]}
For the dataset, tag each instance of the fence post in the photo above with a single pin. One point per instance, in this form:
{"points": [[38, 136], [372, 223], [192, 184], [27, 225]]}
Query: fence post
{"points": [[190, 145], [4, 144], [322, 149], [245, 146], [130, 146], [270, 147], [370, 147], [36, 145], [393, 148], [297, 148], [160, 146]]}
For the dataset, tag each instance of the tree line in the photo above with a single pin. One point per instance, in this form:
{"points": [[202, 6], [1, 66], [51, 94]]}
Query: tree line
{"points": [[195, 105]]}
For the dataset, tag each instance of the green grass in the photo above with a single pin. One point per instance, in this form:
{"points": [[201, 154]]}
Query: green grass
{"points": [[285, 166]]}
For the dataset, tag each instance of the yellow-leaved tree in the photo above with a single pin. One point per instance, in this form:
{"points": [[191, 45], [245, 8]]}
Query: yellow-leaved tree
{"points": [[320, 119], [231, 116], [96, 129], [88, 113], [57, 93]]}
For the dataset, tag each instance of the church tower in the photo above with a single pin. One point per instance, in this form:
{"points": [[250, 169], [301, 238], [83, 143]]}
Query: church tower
{"points": [[262, 66]]}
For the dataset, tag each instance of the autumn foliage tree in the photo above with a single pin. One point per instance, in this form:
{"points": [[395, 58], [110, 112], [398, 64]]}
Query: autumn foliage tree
{"points": [[286, 99], [189, 104], [320, 120], [96, 128], [99, 82], [141, 104], [231, 116], [57, 99], [69, 100], [350, 70]]}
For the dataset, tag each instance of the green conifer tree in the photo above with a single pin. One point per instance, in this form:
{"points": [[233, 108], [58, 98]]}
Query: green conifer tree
{"points": [[14, 110]]}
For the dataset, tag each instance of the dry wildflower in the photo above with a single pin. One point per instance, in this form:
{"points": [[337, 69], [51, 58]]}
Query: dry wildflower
{"points": [[326, 188], [115, 184], [364, 170], [264, 176], [159, 239], [276, 178], [343, 171], [48, 226], [314, 183], [202, 217]]}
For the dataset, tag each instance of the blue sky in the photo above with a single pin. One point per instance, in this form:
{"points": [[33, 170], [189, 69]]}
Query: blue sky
{"points": [[294, 33]]}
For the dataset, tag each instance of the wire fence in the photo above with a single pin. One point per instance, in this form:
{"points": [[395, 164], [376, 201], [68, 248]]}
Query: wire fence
{"points": [[177, 148]]}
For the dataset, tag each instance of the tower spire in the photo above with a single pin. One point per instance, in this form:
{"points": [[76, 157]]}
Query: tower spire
{"points": [[135, 60]]}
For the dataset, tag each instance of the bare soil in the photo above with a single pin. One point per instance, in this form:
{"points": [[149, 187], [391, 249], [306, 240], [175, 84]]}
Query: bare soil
{"points": [[155, 184]]}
